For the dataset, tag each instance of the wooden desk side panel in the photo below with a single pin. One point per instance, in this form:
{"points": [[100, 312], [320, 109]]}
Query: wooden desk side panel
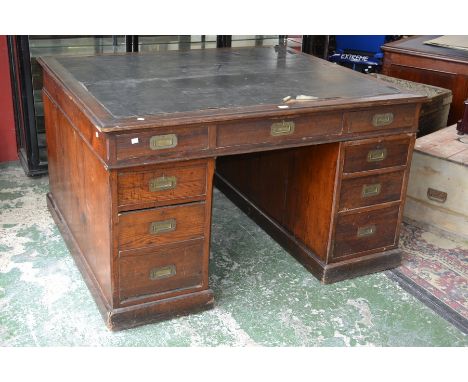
{"points": [[311, 194], [72, 108], [80, 189]]}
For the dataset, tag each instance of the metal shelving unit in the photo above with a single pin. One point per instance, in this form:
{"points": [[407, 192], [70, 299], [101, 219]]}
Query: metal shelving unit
{"points": [[27, 84]]}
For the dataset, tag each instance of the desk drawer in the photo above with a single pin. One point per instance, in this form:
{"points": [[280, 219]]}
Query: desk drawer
{"points": [[274, 130], [161, 225], [161, 142], [377, 154], [383, 118], [369, 190], [365, 231], [162, 184], [161, 269]]}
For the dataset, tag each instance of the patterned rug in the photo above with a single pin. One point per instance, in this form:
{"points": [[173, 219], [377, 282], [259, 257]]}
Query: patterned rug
{"points": [[435, 269]]}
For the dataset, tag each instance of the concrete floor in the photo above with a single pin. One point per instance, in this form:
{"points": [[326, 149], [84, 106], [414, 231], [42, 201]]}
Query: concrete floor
{"points": [[263, 296]]}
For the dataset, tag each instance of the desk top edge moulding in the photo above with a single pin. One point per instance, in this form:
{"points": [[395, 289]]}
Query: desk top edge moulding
{"points": [[132, 144]]}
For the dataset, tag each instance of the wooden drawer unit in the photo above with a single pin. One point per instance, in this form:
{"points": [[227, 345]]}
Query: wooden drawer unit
{"points": [[162, 225], [376, 154], [364, 231], [365, 191], [276, 130], [162, 185], [162, 143], [383, 118], [162, 269]]}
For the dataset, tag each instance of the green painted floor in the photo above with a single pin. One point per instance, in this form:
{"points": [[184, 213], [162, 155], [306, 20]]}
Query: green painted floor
{"points": [[263, 296]]}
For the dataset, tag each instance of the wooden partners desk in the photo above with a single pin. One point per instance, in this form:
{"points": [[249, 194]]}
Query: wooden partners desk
{"points": [[411, 59], [132, 143]]}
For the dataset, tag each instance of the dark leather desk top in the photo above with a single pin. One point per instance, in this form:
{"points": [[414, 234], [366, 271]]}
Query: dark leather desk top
{"points": [[118, 89]]}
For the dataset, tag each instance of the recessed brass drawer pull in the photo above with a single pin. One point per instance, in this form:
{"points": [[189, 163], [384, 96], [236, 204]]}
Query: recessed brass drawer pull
{"points": [[162, 272], [436, 195], [159, 142], [371, 190], [163, 226], [282, 128], [382, 119], [376, 155], [366, 231], [162, 183]]}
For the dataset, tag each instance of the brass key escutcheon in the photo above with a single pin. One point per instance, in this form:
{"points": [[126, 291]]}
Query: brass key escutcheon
{"points": [[282, 128], [384, 119], [376, 155], [162, 226], [159, 142], [371, 190], [162, 183], [159, 273], [366, 231]]}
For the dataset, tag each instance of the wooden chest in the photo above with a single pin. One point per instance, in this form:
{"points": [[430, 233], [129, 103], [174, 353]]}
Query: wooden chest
{"points": [[133, 140], [438, 185]]}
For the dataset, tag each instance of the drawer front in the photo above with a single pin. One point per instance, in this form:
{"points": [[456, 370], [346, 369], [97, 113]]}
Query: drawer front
{"points": [[383, 118], [365, 231], [277, 130], [379, 154], [162, 225], [162, 142], [163, 269], [162, 184], [368, 190]]}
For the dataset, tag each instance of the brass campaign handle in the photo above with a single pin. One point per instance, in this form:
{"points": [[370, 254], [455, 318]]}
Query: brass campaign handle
{"points": [[282, 128], [366, 231], [162, 183], [369, 190], [159, 142], [162, 272], [384, 119], [162, 226], [376, 155]]}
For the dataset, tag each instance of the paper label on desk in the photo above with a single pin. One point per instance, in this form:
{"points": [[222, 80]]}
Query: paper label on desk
{"points": [[134, 141]]}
